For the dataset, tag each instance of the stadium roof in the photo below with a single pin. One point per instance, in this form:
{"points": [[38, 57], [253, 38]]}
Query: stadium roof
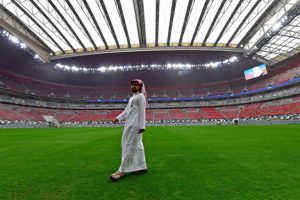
{"points": [[63, 28]]}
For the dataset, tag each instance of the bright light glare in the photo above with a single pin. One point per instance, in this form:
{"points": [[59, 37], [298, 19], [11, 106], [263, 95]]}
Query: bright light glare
{"points": [[232, 59], [74, 68], [22, 45], [179, 66], [14, 39], [276, 26]]}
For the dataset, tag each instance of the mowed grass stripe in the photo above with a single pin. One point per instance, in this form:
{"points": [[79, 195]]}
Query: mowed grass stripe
{"points": [[48, 158], [263, 158], [207, 162]]}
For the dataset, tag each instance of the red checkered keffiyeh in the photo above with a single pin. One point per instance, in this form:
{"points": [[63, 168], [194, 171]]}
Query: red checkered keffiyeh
{"points": [[140, 83]]}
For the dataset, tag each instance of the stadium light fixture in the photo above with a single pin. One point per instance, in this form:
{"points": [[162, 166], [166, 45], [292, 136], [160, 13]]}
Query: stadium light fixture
{"points": [[74, 68], [22, 45], [177, 66], [14, 39], [101, 69], [67, 67], [276, 26], [84, 69], [233, 59]]}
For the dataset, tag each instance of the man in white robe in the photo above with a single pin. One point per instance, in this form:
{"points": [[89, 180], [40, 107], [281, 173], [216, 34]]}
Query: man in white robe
{"points": [[133, 155]]}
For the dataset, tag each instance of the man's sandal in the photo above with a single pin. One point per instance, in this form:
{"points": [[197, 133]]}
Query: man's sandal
{"points": [[117, 176]]}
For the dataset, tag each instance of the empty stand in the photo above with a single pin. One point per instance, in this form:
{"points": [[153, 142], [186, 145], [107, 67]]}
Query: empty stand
{"points": [[41, 88], [270, 108]]}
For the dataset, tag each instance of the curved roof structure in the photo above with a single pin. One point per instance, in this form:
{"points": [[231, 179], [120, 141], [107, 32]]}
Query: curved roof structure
{"points": [[63, 28]]}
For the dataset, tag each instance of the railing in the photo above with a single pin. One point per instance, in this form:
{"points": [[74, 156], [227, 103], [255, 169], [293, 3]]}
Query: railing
{"points": [[197, 98]]}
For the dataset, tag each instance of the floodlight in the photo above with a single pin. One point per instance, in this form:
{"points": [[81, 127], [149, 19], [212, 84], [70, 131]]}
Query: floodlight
{"points": [[276, 26], [232, 59], [74, 68], [14, 39], [67, 67]]}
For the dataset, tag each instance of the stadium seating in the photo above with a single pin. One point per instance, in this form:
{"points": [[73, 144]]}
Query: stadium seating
{"points": [[278, 107], [18, 83], [41, 88], [13, 85], [161, 114], [230, 112], [210, 113], [177, 114], [193, 113]]}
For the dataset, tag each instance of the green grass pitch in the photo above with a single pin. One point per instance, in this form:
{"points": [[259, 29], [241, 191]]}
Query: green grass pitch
{"points": [[206, 162]]}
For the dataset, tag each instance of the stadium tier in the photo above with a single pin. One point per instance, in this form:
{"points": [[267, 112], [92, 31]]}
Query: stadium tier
{"points": [[270, 108], [24, 84], [27, 100], [150, 99]]}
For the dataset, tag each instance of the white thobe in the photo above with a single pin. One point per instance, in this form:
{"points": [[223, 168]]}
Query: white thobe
{"points": [[133, 155]]}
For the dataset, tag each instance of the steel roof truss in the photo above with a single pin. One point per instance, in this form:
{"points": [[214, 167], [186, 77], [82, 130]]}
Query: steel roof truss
{"points": [[38, 25], [19, 25], [171, 21], [120, 11], [203, 12], [102, 7], [275, 7], [186, 19], [156, 22], [228, 21], [243, 21], [290, 16], [140, 21], [82, 24], [255, 16], [52, 24], [94, 23], [214, 21], [67, 24]]}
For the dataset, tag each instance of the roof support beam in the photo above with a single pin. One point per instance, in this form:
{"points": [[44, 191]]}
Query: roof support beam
{"points": [[186, 20], [269, 13], [95, 22], [40, 27], [171, 21], [282, 45], [140, 21], [289, 36], [288, 18], [228, 21], [52, 24], [199, 22], [109, 23], [152, 49], [14, 25], [273, 50], [156, 23], [119, 6], [261, 59], [67, 23], [291, 32], [24, 35], [214, 21], [81, 23], [243, 21]]}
